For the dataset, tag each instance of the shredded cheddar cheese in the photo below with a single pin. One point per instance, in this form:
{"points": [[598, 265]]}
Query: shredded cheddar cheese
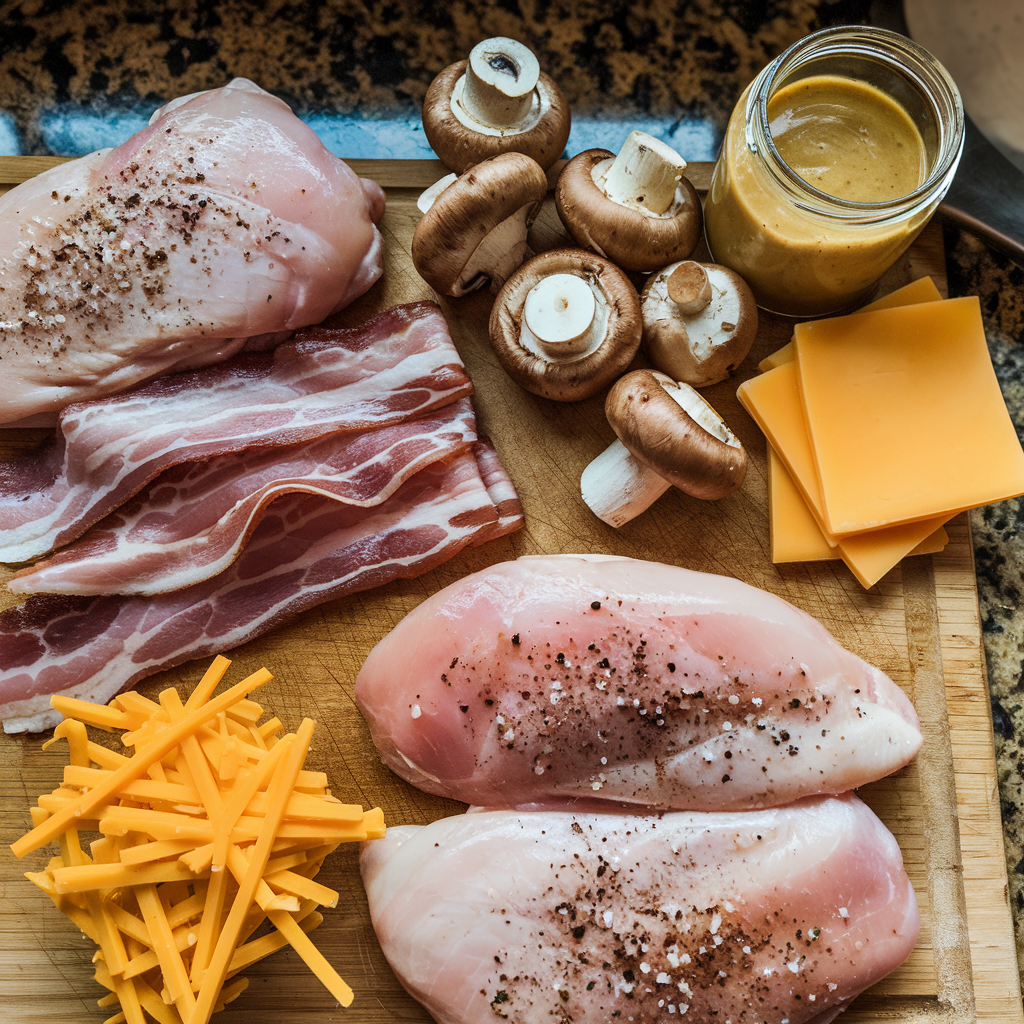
{"points": [[209, 829]]}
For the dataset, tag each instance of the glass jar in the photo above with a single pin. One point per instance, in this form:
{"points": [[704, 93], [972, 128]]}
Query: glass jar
{"points": [[803, 251]]}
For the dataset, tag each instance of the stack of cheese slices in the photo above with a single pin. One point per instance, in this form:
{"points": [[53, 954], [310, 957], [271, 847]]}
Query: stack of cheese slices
{"points": [[882, 426]]}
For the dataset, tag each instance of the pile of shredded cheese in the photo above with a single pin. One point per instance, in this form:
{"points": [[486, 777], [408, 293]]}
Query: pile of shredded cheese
{"points": [[208, 829]]}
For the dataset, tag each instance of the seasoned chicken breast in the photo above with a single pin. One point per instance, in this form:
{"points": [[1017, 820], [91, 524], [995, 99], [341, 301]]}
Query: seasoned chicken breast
{"points": [[613, 678], [224, 225], [773, 916]]}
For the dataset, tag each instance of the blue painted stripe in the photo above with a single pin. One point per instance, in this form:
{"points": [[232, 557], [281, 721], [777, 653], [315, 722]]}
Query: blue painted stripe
{"points": [[10, 141], [75, 131], [382, 138], [692, 137]]}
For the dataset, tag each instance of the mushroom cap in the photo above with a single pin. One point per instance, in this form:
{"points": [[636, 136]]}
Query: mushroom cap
{"points": [[459, 147], [705, 347], [579, 377], [632, 239], [467, 211], [705, 462]]}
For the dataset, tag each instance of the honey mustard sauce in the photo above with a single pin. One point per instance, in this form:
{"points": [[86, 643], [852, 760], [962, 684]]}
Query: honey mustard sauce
{"points": [[847, 140]]}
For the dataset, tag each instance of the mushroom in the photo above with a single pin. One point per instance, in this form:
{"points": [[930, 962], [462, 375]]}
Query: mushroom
{"points": [[667, 434], [566, 324], [636, 208], [496, 102], [700, 320], [474, 225]]}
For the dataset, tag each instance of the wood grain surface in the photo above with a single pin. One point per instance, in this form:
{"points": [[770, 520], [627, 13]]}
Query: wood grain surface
{"points": [[920, 624]]}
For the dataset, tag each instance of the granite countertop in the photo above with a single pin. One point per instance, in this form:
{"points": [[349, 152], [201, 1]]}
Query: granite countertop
{"points": [[78, 76]]}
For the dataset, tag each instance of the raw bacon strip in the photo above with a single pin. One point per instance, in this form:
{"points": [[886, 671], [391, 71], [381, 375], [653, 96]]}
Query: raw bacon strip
{"points": [[194, 519], [305, 551], [399, 364], [499, 487]]}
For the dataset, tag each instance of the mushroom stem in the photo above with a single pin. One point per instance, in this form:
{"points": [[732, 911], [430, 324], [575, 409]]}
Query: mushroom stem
{"points": [[617, 486], [689, 288], [498, 88], [644, 175], [559, 311]]}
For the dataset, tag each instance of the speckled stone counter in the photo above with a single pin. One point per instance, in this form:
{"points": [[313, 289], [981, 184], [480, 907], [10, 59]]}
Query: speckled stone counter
{"points": [[998, 532], [78, 76]]}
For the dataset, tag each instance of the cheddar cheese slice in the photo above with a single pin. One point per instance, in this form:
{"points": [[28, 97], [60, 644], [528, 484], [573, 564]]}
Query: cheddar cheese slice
{"points": [[773, 400], [905, 416], [921, 290], [795, 534]]}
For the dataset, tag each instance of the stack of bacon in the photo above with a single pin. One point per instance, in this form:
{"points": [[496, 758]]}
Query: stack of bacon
{"points": [[203, 509]]}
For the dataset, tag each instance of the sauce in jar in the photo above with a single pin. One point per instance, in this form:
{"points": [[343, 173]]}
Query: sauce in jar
{"points": [[847, 139], [826, 178]]}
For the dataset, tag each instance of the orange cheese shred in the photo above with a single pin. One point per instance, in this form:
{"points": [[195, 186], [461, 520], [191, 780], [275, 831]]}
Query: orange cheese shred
{"points": [[209, 826]]}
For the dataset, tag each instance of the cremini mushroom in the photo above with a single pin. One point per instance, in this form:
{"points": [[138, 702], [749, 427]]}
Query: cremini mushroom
{"points": [[474, 225], [496, 102], [700, 320], [667, 434], [637, 208], [566, 324]]}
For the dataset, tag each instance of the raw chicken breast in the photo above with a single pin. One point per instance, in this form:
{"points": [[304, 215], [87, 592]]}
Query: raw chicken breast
{"points": [[755, 916], [618, 679], [223, 225]]}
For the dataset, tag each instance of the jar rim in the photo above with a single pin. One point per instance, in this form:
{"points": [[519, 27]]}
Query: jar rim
{"points": [[885, 46]]}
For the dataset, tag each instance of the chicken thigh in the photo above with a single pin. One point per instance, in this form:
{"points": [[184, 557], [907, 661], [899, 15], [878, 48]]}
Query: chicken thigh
{"points": [[224, 225]]}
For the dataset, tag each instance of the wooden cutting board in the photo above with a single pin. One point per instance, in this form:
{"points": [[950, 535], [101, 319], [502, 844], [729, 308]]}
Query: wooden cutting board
{"points": [[920, 624]]}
